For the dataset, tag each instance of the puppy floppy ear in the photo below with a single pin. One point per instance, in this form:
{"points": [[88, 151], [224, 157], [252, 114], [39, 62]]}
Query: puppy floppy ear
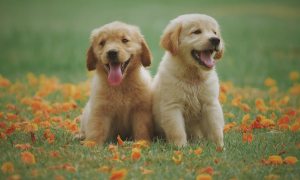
{"points": [[146, 54], [91, 60], [170, 38]]}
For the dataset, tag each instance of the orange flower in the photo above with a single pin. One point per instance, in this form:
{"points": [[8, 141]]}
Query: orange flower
{"points": [[30, 127], [245, 107], [295, 89], [207, 170], [135, 154], [284, 100], [222, 97], [11, 116], [49, 136], [260, 105], [204, 177], [295, 127], [120, 141], [270, 82], [198, 151], [177, 157], [229, 126], [245, 118], [229, 115], [7, 167], [236, 101], [23, 146], [118, 174], [89, 143], [27, 157], [141, 144], [290, 160], [247, 137], [275, 160], [294, 75], [4, 82]]}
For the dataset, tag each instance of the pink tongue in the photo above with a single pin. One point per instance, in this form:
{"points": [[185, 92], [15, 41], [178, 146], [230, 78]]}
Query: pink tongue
{"points": [[207, 59], [115, 74]]}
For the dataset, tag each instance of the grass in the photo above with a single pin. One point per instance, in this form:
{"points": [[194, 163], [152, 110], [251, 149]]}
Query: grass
{"points": [[51, 38]]}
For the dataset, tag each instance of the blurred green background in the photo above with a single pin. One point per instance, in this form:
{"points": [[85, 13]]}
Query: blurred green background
{"points": [[51, 37]]}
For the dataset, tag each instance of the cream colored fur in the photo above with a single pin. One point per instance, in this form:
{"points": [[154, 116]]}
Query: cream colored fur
{"points": [[185, 94]]}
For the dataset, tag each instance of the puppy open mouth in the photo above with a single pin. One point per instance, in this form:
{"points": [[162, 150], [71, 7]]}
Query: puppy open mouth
{"points": [[116, 71], [204, 57]]}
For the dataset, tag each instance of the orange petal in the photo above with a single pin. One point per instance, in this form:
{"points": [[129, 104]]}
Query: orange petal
{"points": [[7, 167], [118, 174], [27, 157], [120, 141], [275, 159], [204, 177], [135, 154], [290, 160]]}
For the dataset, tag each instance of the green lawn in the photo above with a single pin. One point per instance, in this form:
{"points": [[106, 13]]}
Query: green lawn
{"points": [[51, 37]]}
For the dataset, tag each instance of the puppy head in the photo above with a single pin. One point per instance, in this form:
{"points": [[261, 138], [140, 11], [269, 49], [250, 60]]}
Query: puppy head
{"points": [[196, 38], [115, 48]]}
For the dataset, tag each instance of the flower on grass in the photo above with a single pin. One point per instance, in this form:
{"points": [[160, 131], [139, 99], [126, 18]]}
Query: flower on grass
{"points": [[27, 157], [290, 160], [7, 167], [177, 157], [141, 144], [274, 160], [120, 141], [203, 177], [23, 146], [198, 151], [247, 137], [136, 154], [229, 126], [4, 82], [269, 82], [118, 174], [207, 170]]}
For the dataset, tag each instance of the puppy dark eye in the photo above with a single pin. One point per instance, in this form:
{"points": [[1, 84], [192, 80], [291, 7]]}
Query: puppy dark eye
{"points": [[102, 43], [198, 31], [215, 32], [124, 40]]}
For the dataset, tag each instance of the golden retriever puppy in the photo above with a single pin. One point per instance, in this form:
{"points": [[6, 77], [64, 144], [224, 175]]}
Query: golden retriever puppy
{"points": [[186, 87], [120, 100]]}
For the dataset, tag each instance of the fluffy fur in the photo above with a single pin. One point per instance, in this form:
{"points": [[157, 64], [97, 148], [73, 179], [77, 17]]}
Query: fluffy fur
{"points": [[186, 87], [120, 104]]}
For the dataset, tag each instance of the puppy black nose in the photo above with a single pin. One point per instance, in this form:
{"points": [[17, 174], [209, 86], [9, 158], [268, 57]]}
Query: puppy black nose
{"points": [[214, 41], [112, 55]]}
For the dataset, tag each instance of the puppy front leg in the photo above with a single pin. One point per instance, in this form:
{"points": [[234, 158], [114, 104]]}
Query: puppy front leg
{"points": [[98, 128], [172, 123], [142, 125], [214, 122]]}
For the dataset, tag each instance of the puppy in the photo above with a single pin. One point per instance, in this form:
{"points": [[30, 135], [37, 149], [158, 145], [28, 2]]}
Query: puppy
{"points": [[186, 87], [120, 100]]}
